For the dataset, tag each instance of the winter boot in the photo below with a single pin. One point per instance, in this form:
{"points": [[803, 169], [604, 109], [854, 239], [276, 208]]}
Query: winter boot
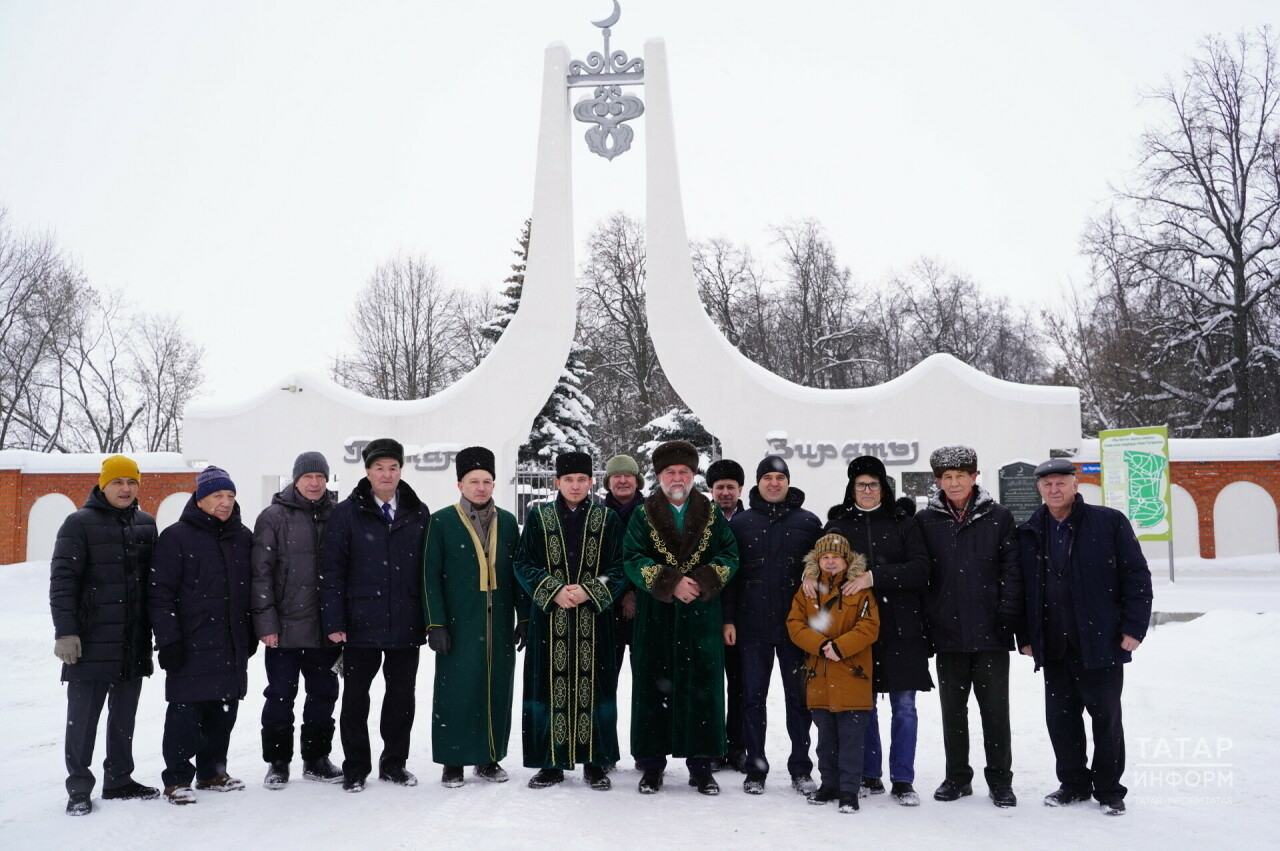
{"points": [[131, 791], [905, 794], [277, 775], [79, 804], [651, 782], [848, 802], [871, 786], [824, 795], [546, 777], [317, 743], [595, 777]]}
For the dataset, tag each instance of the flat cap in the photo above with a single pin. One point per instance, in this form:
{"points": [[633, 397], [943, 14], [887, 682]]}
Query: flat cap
{"points": [[1056, 467]]}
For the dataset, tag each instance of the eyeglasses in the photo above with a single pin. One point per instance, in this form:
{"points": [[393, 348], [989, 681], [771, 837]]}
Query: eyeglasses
{"points": [[867, 487]]}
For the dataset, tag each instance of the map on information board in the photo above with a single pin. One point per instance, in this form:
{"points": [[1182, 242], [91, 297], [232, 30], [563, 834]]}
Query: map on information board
{"points": [[1135, 479]]}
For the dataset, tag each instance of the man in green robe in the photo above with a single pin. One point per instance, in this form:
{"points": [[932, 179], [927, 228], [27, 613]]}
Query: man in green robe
{"points": [[471, 602], [679, 552], [570, 563]]}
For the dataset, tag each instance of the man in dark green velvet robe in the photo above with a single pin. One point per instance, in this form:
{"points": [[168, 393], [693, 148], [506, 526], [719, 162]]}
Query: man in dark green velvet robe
{"points": [[570, 563], [679, 552], [472, 601]]}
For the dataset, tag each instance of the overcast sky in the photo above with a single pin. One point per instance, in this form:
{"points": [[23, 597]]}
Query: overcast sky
{"points": [[247, 164]]}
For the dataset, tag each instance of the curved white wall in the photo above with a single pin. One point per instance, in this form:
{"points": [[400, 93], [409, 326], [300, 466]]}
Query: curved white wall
{"points": [[171, 509], [43, 523], [1244, 521]]}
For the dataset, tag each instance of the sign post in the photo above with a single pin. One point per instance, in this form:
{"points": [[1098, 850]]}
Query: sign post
{"points": [[1136, 482]]}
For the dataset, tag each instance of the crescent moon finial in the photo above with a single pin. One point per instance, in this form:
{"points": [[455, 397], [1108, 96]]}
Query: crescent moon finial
{"points": [[612, 19]]}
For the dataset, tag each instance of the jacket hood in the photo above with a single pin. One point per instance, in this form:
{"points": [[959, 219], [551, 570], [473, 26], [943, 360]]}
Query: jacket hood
{"points": [[981, 504], [98, 500], [192, 514], [895, 509], [290, 497], [857, 566]]}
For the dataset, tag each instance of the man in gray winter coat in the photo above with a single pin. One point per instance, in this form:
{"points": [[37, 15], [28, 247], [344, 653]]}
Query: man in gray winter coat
{"points": [[286, 618], [97, 595]]}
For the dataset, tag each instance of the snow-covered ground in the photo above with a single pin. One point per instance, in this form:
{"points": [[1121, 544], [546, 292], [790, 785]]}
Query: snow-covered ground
{"points": [[1200, 704]]}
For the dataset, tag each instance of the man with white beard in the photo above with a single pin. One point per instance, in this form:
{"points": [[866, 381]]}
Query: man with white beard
{"points": [[679, 552]]}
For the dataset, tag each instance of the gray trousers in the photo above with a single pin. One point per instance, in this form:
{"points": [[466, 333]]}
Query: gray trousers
{"points": [[84, 707], [840, 744]]}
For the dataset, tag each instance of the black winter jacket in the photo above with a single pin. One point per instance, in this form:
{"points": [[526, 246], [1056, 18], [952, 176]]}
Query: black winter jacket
{"points": [[287, 538], [371, 570], [974, 601], [1109, 580], [199, 597], [899, 565], [98, 589], [773, 539]]}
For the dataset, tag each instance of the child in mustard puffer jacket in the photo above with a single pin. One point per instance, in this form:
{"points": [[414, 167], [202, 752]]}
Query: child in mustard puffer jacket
{"points": [[836, 634]]}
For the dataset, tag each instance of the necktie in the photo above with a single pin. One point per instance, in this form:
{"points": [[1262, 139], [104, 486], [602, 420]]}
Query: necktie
{"points": [[386, 511]]}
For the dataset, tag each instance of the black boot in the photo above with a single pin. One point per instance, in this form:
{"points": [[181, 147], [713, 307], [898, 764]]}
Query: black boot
{"points": [[317, 742], [277, 751], [277, 775]]}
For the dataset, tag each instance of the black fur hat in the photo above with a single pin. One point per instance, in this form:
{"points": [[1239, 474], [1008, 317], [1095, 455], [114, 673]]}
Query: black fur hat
{"points": [[474, 458], [726, 468], [568, 463]]}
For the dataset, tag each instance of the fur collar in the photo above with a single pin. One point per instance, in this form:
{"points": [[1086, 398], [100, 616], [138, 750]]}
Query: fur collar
{"points": [[697, 516]]}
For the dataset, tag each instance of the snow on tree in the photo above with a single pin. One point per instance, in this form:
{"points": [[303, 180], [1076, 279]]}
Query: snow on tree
{"points": [[1184, 318], [565, 421], [676, 424]]}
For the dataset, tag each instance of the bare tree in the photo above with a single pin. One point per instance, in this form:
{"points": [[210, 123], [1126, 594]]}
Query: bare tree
{"points": [[1199, 232], [167, 374], [41, 308], [626, 381], [816, 299], [399, 332], [95, 378]]}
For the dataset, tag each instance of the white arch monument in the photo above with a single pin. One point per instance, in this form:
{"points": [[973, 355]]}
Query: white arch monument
{"points": [[755, 412], [493, 405]]}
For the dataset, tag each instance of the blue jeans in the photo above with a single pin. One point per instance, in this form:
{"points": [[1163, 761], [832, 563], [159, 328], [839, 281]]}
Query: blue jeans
{"points": [[902, 740]]}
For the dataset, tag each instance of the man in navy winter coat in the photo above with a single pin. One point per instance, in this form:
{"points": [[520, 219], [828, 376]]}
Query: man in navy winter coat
{"points": [[1088, 603], [774, 535], [371, 603], [974, 608], [199, 606]]}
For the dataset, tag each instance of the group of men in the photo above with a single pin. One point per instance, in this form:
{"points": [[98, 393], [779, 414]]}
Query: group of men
{"points": [[696, 587]]}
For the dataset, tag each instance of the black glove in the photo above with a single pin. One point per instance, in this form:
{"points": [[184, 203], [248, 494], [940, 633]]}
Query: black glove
{"points": [[172, 656], [522, 635], [438, 640]]}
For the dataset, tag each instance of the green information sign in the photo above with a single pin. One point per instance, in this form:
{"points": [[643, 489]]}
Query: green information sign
{"points": [[1135, 479]]}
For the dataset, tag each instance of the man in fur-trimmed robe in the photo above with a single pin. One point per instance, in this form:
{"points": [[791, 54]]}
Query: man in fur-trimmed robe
{"points": [[679, 552], [471, 602], [570, 563]]}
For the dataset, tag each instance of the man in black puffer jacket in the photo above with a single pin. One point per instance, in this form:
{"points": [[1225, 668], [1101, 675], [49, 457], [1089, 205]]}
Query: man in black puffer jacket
{"points": [[883, 531], [371, 602], [774, 535], [199, 605], [98, 598], [974, 607], [286, 618]]}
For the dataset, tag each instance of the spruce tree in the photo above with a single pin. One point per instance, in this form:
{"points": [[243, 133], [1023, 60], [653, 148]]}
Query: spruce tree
{"points": [[564, 423]]}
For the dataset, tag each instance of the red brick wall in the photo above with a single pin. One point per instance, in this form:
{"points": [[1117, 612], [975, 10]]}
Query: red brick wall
{"points": [[1203, 480], [19, 492]]}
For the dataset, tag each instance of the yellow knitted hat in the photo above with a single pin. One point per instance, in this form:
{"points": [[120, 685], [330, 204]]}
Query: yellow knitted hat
{"points": [[118, 467]]}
